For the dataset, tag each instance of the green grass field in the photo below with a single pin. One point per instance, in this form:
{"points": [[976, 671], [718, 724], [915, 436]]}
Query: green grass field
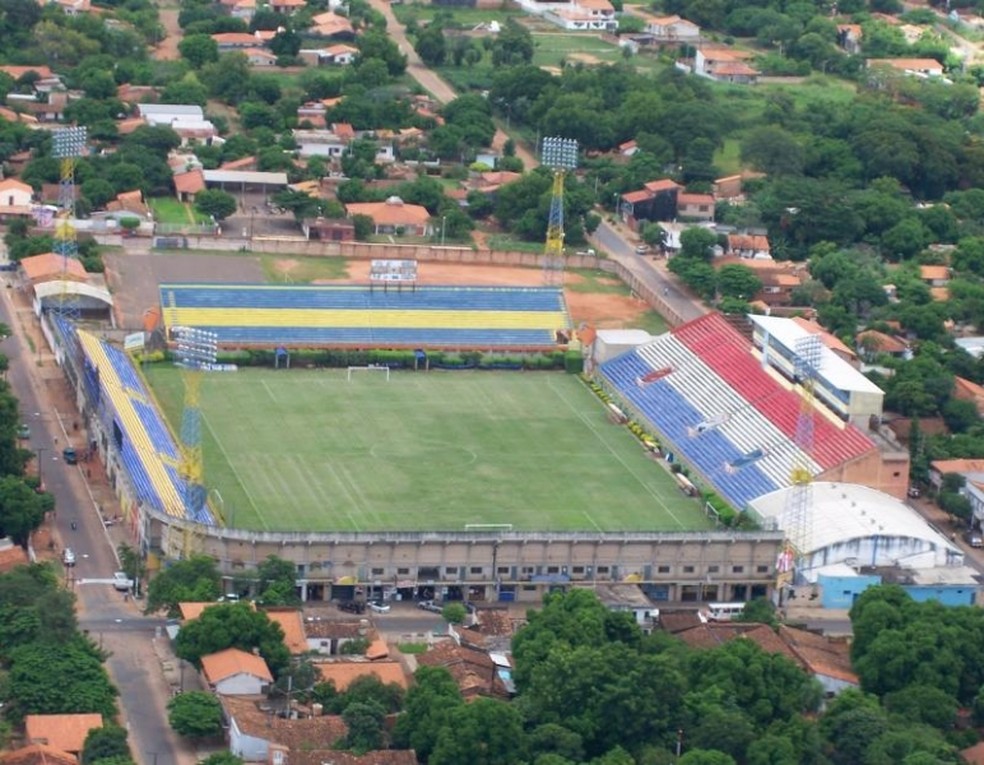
{"points": [[307, 450]]}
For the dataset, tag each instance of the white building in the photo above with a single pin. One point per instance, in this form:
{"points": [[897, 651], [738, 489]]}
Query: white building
{"points": [[670, 29], [236, 673], [15, 195], [320, 143]]}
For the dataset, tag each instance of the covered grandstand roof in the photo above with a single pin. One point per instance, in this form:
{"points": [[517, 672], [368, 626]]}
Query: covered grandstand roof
{"points": [[833, 368], [704, 392], [59, 287], [843, 512]]}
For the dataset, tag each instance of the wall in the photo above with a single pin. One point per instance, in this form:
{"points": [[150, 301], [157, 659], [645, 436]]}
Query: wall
{"points": [[249, 748], [948, 595], [840, 591], [888, 472], [239, 685]]}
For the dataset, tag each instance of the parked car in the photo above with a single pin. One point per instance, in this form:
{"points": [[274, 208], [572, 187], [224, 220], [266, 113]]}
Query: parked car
{"points": [[230, 598], [121, 581], [70, 456], [914, 492], [68, 556], [24, 431], [641, 249], [974, 539], [379, 607], [352, 606], [429, 605]]}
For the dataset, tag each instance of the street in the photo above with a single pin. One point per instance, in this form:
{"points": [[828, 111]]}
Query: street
{"points": [[115, 625]]}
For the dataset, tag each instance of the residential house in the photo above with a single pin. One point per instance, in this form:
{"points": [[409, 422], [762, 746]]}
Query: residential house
{"points": [[695, 206], [628, 149], [749, 246], [127, 125], [242, 9], [320, 143], [260, 57], [779, 278], [628, 598], [37, 754], [16, 72], [49, 266], [330, 24], [849, 38], [133, 94], [235, 41], [342, 673], [914, 67], [15, 196], [583, 16], [290, 622], [935, 276], [66, 733], [725, 65], [254, 729], [311, 114], [243, 163], [191, 610], [329, 229], [672, 29], [473, 670], [656, 201], [394, 216], [235, 673], [489, 183], [72, 7], [340, 54], [18, 116], [11, 555], [187, 120], [968, 390], [187, 184], [44, 105], [287, 7], [971, 469], [130, 202], [327, 636], [871, 343]]}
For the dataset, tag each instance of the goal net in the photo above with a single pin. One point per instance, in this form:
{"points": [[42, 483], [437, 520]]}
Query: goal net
{"points": [[371, 368]]}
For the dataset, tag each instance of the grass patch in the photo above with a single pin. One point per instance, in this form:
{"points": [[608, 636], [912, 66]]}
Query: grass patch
{"points": [[307, 450], [552, 49], [728, 158], [300, 270], [170, 210], [461, 18], [596, 282], [507, 242], [415, 648], [651, 322]]}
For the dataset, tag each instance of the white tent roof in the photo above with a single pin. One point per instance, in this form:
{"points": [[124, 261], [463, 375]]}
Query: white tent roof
{"points": [[841, 512]]}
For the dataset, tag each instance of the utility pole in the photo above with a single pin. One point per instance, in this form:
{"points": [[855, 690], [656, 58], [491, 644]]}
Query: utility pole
{"points": [[40, 450]]}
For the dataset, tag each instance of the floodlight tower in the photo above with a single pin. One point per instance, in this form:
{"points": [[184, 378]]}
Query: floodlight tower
{"points": [[560, 155], [196, 351], [799, 507], [69, 145]]}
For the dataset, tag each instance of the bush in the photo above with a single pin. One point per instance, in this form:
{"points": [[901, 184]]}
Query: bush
{"points": [[195, 714]]}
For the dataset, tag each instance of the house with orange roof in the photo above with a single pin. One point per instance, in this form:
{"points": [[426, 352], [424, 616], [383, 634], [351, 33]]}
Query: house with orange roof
{"points": [[130, 202], [233, 672], [329, 24], [749, 246], [189, 183], [394, 216], [37, 754], [255, 730], [16, 72], [971, 469], [15, 195], [49, 266], [584, 16], [233, 41], [343, 673], [133, 94], [242, 9], [725, 65], [934, 276], [14, 116], [287, 7], [914, 67], [849, 38], [260, 57], [290, 622], [191, 610], [327, 636], [655, 201], [671, 29], [243, 163], [11, 555], [779, 278], [66, 733], [828, 660], [968, 390], [695, 206], [338, 55], [871, 343], [473, 670]]}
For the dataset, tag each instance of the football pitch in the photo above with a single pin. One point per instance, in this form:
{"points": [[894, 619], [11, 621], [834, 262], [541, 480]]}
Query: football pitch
{"points": [[308, 450]]}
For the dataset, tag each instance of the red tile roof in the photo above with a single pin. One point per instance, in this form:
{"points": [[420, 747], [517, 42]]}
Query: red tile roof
{"points": [[189, 183], [50, 265], [664, 184], [218, 666], [64, 732], [342, 673], [37, 754]]}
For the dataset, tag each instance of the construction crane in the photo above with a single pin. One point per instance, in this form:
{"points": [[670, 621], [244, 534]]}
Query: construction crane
{"points": [[798, 512], [560, 155]]}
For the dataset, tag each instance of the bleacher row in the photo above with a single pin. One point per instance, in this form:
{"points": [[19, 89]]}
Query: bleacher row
{"points": [[148, 452], [430, 317], [720, 412]]}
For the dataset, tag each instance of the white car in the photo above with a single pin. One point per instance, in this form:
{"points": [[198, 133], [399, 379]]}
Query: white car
{"points": [[379, 607], [68, 557], [121, 581]]}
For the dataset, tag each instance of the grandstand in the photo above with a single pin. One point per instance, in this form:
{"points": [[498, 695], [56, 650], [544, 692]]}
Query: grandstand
{"points": [[500, 318], [143, 442], [704, 391]]}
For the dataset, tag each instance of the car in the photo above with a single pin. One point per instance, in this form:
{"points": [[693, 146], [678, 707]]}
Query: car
{"points": [[24, 431], [352, 606], [121, 582], [230, 598], [429, 605], [68, 556], [70, 456], [974, 539], [914, 492], [641, 249], [379, 607]]}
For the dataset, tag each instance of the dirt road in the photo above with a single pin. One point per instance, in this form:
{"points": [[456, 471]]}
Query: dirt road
{"points": [[432, 82], [167, 49]]}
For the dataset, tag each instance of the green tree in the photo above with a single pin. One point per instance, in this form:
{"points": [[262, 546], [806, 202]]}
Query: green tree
{"points": [[104, 743], [484, 732], [364, 227], [277, 582], [222, 758], [759, 611], [431, 45], [706, 757], [430, 700], [195, 714], [696, 243], [234, 625], [193, 580], [454, 613], [513, 45], [21, 509], [735, 280], [365, 727], [198, 50], [215, 202]]}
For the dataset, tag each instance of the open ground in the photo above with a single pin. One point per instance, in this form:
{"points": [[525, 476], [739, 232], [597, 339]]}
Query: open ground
{"points": [[309, 450]]}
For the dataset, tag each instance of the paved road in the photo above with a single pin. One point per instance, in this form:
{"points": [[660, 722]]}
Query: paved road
{"points": [[620, 249], [431, 81], [116, 625]]}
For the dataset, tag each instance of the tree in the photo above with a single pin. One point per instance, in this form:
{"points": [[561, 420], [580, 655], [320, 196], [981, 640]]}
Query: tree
{"points": [[758, 610], [484, 732], [234, 625], [215, 202], [431, 45], [513, 45], [195, 714], [199, 50], [735, 280], [193, 580], [365, 727], [364, 227], [706, 757], [454, 613], [21, 509], [696, 243], [104, 743], [222, 758], [277, 582], [430, 700]]}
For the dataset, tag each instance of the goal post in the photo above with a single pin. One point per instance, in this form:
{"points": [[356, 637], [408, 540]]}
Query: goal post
{"points": [[370, 368]]}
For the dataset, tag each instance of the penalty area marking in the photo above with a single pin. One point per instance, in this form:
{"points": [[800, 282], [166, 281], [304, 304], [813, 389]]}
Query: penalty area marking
{"points": [[235, 472]]}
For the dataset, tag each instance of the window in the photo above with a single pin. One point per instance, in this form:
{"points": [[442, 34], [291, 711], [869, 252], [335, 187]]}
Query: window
{"points": [[553, 570], [377, 572], [403, 571], [762, 569], [663, 569], [602, 569], [688, 569], [502, 570], [475, 570], [713, 569], [737, 569], [451, 571], [527, 569], [578, 569], [529, 588]]}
